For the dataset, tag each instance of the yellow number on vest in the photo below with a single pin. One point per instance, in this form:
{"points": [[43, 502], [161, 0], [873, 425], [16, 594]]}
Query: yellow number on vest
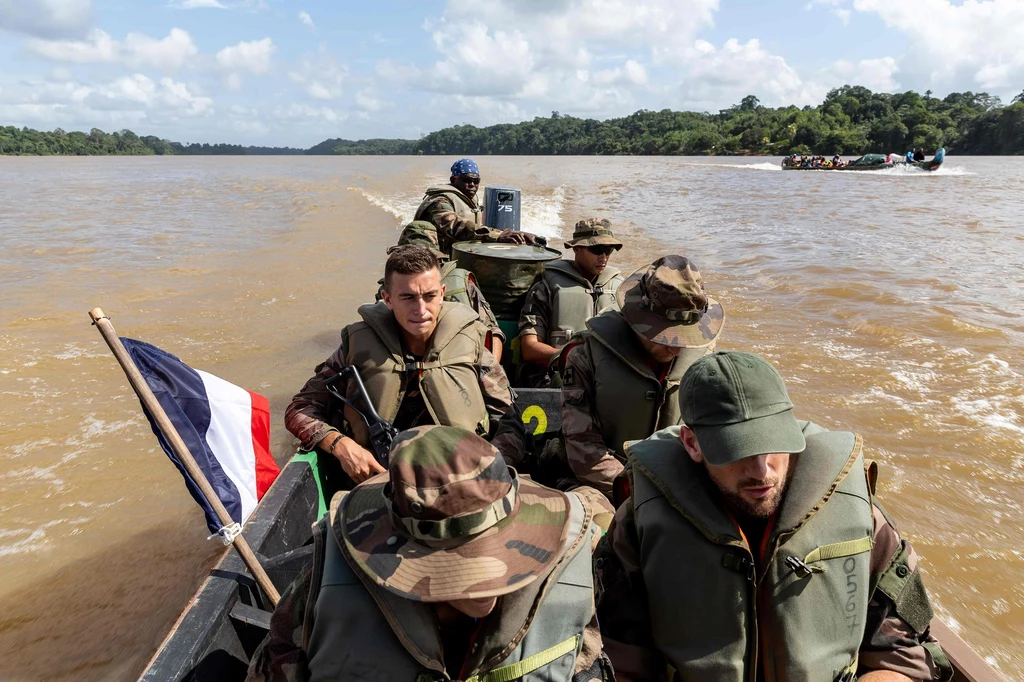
{"points": [[536, 412]]}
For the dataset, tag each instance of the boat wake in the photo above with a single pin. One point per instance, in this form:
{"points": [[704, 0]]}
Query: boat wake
{"points": [[544, 217], [403, 208]]}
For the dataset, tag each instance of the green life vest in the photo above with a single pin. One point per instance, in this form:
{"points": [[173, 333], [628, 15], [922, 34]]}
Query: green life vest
{"points": [[575, 299], [465, 207], [711, 616], [456, 283], [449, 370], [362, 632], [630, 400]]}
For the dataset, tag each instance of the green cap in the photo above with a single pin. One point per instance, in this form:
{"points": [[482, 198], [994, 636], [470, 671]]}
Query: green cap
{"points": [[737, 406]]}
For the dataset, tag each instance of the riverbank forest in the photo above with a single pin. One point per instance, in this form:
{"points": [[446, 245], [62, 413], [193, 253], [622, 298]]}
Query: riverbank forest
{"points": [[852, 120]]}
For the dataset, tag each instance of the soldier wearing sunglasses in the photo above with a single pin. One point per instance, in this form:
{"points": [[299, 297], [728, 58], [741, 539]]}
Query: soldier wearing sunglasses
{"points": [[454, 211], [565, 296]]}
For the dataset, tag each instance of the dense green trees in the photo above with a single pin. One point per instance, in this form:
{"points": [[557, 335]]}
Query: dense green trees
{"points": [[851, 120], [123, 143]]}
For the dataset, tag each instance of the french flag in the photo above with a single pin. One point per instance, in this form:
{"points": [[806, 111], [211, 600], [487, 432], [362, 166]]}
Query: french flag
{"points": [[226, 428]]}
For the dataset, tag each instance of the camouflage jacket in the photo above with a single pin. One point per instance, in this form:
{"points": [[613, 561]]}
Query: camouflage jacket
{"points": [[313, 412], [536, 311], [282, 658], [451, 228], [890, 643], [591, 460]]}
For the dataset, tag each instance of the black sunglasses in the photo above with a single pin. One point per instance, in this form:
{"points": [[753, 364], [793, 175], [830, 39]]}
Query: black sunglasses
{"points": [[602, 250]]}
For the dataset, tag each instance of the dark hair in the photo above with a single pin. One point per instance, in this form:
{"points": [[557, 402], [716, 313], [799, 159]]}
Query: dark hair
{"points": [[409, 259]]}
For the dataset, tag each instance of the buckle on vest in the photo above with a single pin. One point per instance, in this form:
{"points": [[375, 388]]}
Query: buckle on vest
{"points": [[651, 395], [800, 568]]}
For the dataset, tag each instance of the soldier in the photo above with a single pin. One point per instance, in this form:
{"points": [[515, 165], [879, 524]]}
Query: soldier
{"points": [[452, 568], [453, 210], [621, 376], [760, 562], [459, 284], [567, 294], [423, 362]]}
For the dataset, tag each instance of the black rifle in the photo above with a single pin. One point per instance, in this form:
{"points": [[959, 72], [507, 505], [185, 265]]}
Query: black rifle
{"points": [[382, 433]]}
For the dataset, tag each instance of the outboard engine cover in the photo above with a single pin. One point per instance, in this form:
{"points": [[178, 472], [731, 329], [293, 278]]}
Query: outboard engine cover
{"points": [[501, 208]]}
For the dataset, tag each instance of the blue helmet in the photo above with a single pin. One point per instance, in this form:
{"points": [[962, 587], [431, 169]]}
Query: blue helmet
{"points": [[465, 167]]}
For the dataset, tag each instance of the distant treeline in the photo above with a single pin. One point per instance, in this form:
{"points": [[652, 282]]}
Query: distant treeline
{"points": [[851, 120]]}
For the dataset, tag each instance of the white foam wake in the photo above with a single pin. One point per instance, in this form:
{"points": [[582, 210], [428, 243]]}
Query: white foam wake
{"points": [[543, 215], [402, 207]]}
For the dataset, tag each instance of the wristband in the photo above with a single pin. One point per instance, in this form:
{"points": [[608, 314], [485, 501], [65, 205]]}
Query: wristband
{"points": [[334, 442]]}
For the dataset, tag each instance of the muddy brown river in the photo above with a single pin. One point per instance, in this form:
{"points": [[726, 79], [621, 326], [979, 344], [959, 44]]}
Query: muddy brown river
{"points": [[891, 301]]}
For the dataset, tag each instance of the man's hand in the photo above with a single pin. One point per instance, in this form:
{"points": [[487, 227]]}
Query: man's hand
{"points": [[358, 462], [516, 237]]}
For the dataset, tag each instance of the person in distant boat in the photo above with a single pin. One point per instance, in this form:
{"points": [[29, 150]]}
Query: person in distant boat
{"points": [[449, 567], [460, 285], [751, 546], [836, 160], [919, 154], [621, 375], [423, 361], [453, 210], [567, 294]]}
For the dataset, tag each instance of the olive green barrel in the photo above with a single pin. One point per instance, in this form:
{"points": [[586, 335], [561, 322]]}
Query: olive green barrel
{"points": [[503, 271]]}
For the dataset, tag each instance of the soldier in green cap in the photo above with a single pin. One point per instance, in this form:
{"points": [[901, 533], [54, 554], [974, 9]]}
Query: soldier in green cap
{"points": [[761, 546], [621, 375], [453, 210], [423, 361], [448, 567], [566, 295], [460, 285]]}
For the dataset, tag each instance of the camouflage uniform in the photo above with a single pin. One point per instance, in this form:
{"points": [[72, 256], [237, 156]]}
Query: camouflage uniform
{"points": [[438, 208], [890, 642], [627, 399], [314, 412], [449, 521], [561, 299]]}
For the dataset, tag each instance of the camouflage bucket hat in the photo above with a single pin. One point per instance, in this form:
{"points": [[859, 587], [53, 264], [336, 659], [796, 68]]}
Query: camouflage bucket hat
{"points": [[593, 232], [454, 521], [665, 303], [420, 233]]}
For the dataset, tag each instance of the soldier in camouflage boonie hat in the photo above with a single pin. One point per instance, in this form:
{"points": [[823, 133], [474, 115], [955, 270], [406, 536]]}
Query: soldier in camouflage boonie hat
{"points": [[454, 521], [593, 232], [421, 233], [665, 302]]}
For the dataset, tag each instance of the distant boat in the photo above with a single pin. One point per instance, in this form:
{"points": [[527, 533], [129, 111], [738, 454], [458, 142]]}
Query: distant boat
{"points": [[869, 162]]}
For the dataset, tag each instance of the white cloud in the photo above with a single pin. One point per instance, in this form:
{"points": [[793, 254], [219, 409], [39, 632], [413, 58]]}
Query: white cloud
{"points": [[303, 112], [197, 4], [321, 75], [874, 74], [135, 51], [252, 56], [46, 18], [502, 55], [368, 101], [969, 45], [306, 19], [138, 89]]}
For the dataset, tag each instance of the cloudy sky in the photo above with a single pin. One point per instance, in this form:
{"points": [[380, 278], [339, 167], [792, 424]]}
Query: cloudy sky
{"points": [[294, 72]]}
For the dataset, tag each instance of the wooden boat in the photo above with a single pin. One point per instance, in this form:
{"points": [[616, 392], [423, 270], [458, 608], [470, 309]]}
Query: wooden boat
{"points": [[227, 618], [871, 162]]}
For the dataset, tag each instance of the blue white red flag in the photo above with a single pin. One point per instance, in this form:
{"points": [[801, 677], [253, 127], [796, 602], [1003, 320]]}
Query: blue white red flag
{"points": [[226, 428]]}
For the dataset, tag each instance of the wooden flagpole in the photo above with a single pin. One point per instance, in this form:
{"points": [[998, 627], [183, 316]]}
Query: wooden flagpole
{"points": [[145, 394]]}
